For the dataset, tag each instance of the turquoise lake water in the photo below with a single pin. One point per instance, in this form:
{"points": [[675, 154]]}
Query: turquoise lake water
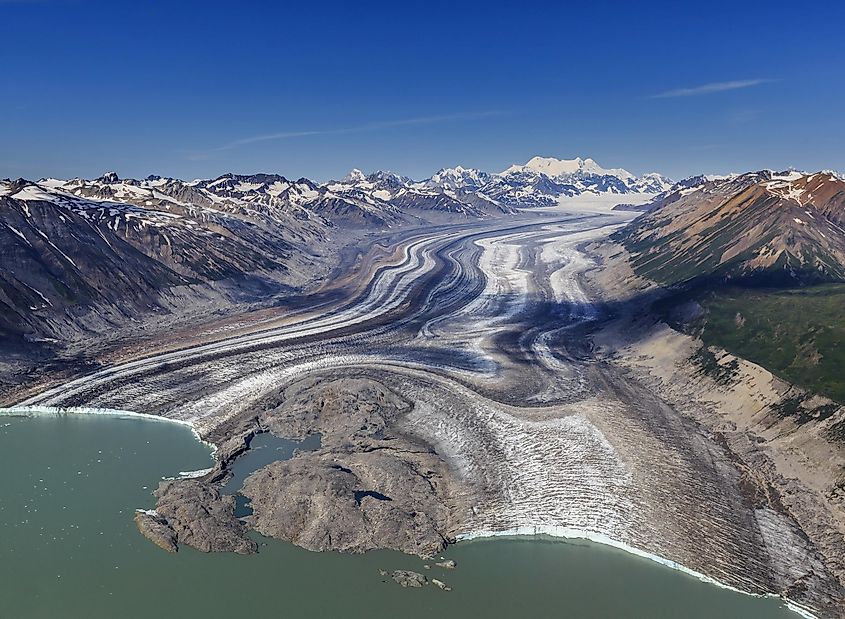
{"points": [[70, 549]]}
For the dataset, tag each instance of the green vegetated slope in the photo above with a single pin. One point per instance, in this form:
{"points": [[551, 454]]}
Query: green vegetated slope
{"points": [[764, 255], [796, 333]]}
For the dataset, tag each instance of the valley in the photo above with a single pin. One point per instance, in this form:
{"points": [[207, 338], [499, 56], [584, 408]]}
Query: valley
{"points": [[472, 377], [383, 310]]}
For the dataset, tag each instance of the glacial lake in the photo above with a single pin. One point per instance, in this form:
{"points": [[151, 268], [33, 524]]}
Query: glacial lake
{"points": [[69, 548]]}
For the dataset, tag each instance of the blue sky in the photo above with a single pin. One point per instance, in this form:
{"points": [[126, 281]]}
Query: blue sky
{"points": [[195, 89]]}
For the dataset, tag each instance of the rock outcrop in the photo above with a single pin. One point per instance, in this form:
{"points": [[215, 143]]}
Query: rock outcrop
{"points": [[325, 500], [407, 578], [440, 584], [155, 528], [367, 487], [192, 512]]}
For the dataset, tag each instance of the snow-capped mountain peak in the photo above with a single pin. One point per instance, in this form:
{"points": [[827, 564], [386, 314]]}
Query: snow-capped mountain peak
{"points": [[652, 182], [542, 181], [456, 172], [109, 178], [354, 176], [458, 177], [561, 168]]}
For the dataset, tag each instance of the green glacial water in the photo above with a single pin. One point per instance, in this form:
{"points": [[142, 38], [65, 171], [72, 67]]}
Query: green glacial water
{"points": [[69, 549]]}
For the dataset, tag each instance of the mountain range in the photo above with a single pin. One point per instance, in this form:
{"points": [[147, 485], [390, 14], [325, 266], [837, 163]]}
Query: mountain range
{"points": [[763, 227], [754, 264], [88, 255], [379, 198], [85, 256], [542, 181]]}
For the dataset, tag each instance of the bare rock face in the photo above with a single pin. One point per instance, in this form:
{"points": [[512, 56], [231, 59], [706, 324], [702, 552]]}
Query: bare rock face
{"points": [[407, 578], [352, 502], [341, 410], [366, 488], [440, 584], [155, 528], [192, 512]]}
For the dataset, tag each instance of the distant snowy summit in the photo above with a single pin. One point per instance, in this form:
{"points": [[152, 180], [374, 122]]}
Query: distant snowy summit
{"points": [[543, 181], [565, 168]]}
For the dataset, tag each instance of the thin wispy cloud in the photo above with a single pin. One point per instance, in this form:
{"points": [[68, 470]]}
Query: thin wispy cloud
{"points": [[374, 126], [707, 89]]}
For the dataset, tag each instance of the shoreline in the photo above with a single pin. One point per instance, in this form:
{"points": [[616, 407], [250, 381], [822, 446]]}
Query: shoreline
{"points": [[58, 411], [523, 532], [569, 533]]}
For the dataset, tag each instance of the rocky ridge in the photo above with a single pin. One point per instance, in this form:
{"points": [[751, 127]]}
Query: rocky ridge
{"points": [[766, 227]]}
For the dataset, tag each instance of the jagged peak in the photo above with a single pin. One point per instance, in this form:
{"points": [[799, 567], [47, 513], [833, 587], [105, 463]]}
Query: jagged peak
{"points": [[387, 175], [354, 176], [109, 178]]}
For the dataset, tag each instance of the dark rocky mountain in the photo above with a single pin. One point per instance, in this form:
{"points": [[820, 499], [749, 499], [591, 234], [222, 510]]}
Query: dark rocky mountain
{"points": [[387, 191], [74, 264], [90, 256], [763, 227]]}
